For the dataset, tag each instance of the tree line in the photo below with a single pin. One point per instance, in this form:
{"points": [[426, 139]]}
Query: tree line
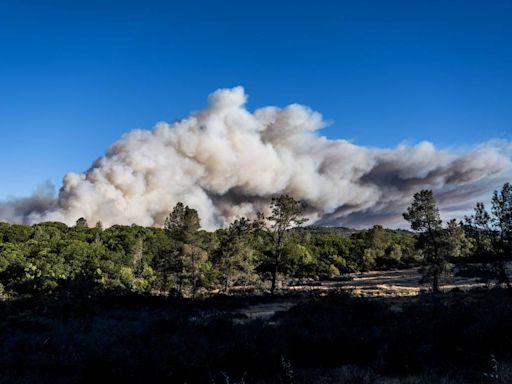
{"points": [[483, 237], [182, 259]]}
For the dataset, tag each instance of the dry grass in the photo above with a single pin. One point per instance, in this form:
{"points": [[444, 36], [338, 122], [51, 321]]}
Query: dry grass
{"points": [[398, 283]]}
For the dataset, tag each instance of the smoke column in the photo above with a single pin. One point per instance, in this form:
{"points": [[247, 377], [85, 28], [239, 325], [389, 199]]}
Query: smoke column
{"points": [[226, 162]]}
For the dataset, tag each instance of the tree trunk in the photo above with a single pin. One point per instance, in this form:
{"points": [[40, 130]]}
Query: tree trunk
{"points": [[274, 276], [277, 259], [503, 277], [435, 282], [278, 250], [193, 275], [226, 286], [180, 286], [437, 262]]}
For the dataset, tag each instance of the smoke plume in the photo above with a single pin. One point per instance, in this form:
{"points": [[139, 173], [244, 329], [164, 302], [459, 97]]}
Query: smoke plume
{"points": [[226, 162]]}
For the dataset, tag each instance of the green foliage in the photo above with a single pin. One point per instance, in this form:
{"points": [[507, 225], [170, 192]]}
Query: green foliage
{"points": [[183, 223], [456, 242], [188, 259], [502, 211], [423, 213], [234, 255], [182, 258], [492, 232], [52, 256], [381, 249], [286, 213]]}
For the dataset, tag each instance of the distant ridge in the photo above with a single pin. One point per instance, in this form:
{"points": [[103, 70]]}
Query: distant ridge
{"points": [[343, 231]]}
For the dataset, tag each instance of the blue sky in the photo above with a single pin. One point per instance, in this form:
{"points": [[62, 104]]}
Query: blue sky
{"points": [[76, 75]]}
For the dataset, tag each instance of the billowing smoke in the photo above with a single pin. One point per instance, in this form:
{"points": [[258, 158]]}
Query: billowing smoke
{"points": [[28, 209], [228, 162]]}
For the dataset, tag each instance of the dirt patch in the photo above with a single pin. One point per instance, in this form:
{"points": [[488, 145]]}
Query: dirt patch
{"points": [[392, 285], [405, 282]]}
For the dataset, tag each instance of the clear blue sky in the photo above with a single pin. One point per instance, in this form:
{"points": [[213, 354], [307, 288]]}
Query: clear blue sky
{"points": [[75, 75]]}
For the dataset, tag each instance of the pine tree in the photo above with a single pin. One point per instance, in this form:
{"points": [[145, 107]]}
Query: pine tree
{"points": [[423, 215], [286, 213], [183, 225], [496, 226], [235, 256]]}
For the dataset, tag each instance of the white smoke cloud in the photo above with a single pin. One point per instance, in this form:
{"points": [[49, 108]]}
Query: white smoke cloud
{"points": [[227, 162]]}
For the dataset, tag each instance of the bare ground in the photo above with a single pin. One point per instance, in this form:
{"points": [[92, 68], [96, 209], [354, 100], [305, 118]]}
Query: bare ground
{"points": [[397, 283], [395, 286]]}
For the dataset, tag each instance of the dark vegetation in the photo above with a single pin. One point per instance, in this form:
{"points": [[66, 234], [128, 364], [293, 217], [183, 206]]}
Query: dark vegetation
{"points": [[130, 303], [332, 339]]}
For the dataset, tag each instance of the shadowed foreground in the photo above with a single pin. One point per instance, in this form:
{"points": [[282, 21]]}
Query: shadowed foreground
{"points": [[457, 337]]}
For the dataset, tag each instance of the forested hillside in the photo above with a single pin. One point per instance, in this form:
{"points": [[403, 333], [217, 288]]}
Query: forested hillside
{"points": [[52, 256], [182, 259]]}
